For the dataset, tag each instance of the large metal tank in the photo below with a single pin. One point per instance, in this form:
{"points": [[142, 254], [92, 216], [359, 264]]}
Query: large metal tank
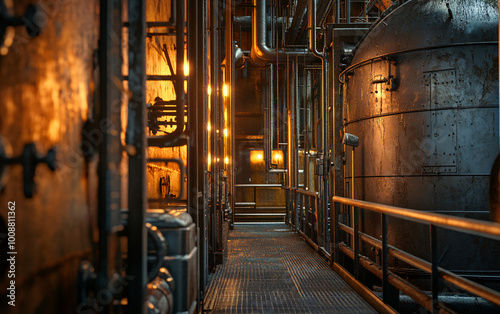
{"points": [[422, 96]]}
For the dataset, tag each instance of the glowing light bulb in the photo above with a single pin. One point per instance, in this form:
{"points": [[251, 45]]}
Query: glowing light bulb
{"points": [[209, 90], [259, 156], [225, 90], [209, 127], [226, 160], [186, 68], [225, 132]]}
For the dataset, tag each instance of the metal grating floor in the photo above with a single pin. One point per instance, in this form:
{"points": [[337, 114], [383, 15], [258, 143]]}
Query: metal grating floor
{"points": [[271, 269]]}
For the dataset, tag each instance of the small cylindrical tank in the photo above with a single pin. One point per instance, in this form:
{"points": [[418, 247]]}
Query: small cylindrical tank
{"points": [[422, 96]]}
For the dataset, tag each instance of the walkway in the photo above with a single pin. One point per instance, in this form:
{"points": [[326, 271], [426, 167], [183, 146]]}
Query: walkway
{"points": [[271, 269]]}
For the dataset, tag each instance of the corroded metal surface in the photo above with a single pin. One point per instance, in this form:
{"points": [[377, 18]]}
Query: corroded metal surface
{"points": [[270, 269], [422, 95]]}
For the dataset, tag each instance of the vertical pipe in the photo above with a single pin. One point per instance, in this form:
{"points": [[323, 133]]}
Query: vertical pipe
{"points": [[195, 162], [136, 139], [214, 70], [352, 185], [105, 188], [296, 104], [265, 77], [348, 11], [231, 109], [271, 111], [337, 11], [306, 131], [203, 141], [324, 112], [326, 145], [192, 98], [219, 144]]}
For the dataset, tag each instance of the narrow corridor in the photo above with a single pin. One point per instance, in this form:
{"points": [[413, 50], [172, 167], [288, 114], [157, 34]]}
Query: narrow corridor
{"points": [[271, 269]]}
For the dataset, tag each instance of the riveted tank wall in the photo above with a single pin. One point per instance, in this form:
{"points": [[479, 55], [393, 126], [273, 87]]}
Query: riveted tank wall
{"points": [[422, 96]]}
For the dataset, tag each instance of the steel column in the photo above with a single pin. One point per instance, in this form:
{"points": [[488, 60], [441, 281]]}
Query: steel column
{"points": [[136, 141]]}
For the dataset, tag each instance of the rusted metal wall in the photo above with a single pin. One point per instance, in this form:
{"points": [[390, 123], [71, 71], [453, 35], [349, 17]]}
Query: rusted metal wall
{"points": [[426, 115], [46, 90]]}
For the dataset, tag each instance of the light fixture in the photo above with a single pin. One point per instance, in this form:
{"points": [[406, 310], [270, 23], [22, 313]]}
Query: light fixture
{"points": [[226, 160], [225, 90], [209, 127], [225, 132], [209, 90], [186, 68]]}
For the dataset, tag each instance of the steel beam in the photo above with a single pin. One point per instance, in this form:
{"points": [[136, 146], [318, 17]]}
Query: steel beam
{"points": [[136, 143]]}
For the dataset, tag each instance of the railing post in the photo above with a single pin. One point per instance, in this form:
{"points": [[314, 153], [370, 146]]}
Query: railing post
{"points": [[316, 206], [335, 233], [303, 214], [434, 274], [385, 262], [356, 242], [390, 294], [296, 210], [286, 206]]}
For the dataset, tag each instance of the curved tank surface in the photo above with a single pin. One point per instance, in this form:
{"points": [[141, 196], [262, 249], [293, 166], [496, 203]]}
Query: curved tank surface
{"points": [[422, 96]]}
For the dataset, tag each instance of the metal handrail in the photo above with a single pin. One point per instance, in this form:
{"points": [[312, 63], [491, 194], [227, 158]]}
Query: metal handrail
{"points": [[308, 193], [471, 226], [307, 216]]}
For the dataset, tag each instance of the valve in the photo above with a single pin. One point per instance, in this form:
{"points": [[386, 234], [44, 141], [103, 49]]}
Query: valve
{"points": [[29, 159]]}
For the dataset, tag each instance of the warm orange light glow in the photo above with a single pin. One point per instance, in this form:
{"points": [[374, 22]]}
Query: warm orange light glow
{"points": [[256, 159], [186, 68], [277, 157], [225, 132], [209, 127], [209, 159], [209, 90], [225, 90], [226, 160], [225, 114], [218, 159]]}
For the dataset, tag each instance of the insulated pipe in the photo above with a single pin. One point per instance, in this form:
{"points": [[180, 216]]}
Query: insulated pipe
{"points": [[311, 11], [261, 53]]}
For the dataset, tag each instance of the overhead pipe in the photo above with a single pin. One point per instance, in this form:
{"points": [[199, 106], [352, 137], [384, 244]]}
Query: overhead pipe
{"points": [[246, 21], [260, 52], [311, 11]]}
